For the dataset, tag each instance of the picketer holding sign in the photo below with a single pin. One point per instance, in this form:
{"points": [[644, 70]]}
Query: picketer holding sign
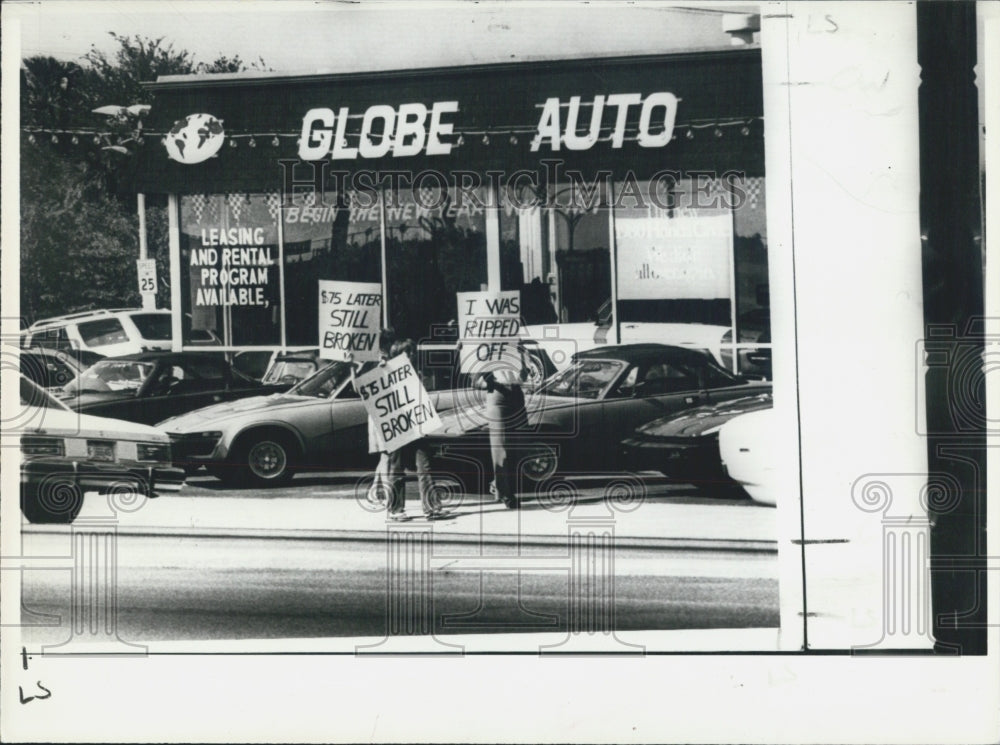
{"points": [[490, 324], [402, 413]]}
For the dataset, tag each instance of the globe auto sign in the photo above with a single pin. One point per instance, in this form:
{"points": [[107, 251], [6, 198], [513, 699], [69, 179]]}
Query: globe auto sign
{"points": [[194, 139], [413, 128]]}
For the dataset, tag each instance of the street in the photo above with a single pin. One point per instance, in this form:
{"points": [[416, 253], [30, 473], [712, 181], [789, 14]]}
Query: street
{"points": [[180, 576]]}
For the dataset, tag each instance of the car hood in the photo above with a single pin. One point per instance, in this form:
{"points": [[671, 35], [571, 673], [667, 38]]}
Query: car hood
{"points": [[61, 423], [241, 407], [196, 420], [78, 401], [460, 421], [699, 421]]}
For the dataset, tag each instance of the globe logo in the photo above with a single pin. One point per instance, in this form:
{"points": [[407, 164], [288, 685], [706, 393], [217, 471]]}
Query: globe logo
{"points": [[194, 139]]}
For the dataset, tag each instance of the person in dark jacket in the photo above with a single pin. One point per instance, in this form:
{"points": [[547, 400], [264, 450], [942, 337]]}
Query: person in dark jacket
{"points": [[505, 412]]}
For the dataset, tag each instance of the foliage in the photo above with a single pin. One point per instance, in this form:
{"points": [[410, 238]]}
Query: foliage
{"points": [[78, 246], [79, 237]]}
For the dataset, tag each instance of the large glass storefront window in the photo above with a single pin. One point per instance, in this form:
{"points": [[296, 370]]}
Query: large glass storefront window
{"points": [[230, 268], [328, 237], [555, 249], [436, 247], [675, 252], [690, 250], [691, 253]]}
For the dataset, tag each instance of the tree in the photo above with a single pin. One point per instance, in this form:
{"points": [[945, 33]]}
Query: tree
{"points": [[79, 236], [78, 246]]}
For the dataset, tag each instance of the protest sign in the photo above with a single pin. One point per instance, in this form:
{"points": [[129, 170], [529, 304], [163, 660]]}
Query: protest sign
{"points": [[350, 315], [399, 406], [489, 327]]}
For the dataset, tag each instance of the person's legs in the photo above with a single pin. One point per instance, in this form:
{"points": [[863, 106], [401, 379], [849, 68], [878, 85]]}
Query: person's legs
{"points": [[396, 482], [501, 471], [429, 499]]}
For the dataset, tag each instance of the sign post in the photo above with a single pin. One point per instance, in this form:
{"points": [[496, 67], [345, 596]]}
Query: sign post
{"points": [[146, 269]]}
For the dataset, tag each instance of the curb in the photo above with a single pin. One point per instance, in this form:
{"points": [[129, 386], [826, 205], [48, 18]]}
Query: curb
{"points": [[379, 536]]}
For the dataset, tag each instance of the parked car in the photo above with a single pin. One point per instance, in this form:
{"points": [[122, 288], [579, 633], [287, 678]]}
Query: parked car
{"points": [[319, 424], [578, 416], [291, 367], [52, 369], [685, 446], [715, 339], [747, 450], [65, 454], [110, 333], [152, 386]]}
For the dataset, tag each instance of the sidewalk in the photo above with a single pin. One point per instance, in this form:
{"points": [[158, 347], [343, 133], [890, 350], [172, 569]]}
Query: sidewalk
{"points": [[653, 523]]}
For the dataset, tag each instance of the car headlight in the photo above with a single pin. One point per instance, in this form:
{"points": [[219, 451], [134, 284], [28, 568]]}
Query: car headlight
{"points": [[103, 450], [194, 443], [34, 445], [156, 451]]}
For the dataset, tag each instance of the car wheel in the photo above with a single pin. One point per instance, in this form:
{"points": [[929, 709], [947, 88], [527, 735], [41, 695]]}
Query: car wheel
{"points": [[51, 502], [265, 459], [540, 462]]}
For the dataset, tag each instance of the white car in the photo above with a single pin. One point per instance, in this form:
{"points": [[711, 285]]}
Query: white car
{"points": [[747, 447], [65, 454], [112, 333]]}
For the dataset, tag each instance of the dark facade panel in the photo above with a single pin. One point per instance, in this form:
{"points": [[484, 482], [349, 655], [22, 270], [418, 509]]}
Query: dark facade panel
{"points": [[497, 112]]}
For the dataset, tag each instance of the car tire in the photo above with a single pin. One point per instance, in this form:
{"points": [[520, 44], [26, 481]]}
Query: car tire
{"points": [[264, 459], [539, 462], [52, 502]]}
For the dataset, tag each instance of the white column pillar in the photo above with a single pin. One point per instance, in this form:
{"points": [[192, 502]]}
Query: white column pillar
{"points": [[148, 300], [176, 309], [493, 242], [842, 165]]}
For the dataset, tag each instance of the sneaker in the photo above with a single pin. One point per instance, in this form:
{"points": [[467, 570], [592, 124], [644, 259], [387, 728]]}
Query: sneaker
{"points": [[439, 515], [398, 517]]}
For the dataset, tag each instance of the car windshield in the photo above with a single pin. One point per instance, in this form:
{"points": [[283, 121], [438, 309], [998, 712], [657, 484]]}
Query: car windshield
{"points": [[583, 379], [324, 382], [32, 395], [111, 375], [289, 371]]}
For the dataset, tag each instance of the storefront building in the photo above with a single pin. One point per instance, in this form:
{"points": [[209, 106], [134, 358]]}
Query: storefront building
{"points": [[616, 190]]}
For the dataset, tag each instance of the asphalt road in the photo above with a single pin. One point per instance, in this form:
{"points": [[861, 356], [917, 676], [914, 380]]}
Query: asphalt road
{"points": [[185, 588]]}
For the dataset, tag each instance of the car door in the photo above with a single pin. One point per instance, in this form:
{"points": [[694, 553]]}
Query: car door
{"points": [[349, 431], [179, 385], [206, 381], [721, 385], [649, 390]]}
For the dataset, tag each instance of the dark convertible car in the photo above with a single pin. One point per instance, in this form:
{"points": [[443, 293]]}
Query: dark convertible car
{"points": [[578, 417], [685, 446], [152, 386]]}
